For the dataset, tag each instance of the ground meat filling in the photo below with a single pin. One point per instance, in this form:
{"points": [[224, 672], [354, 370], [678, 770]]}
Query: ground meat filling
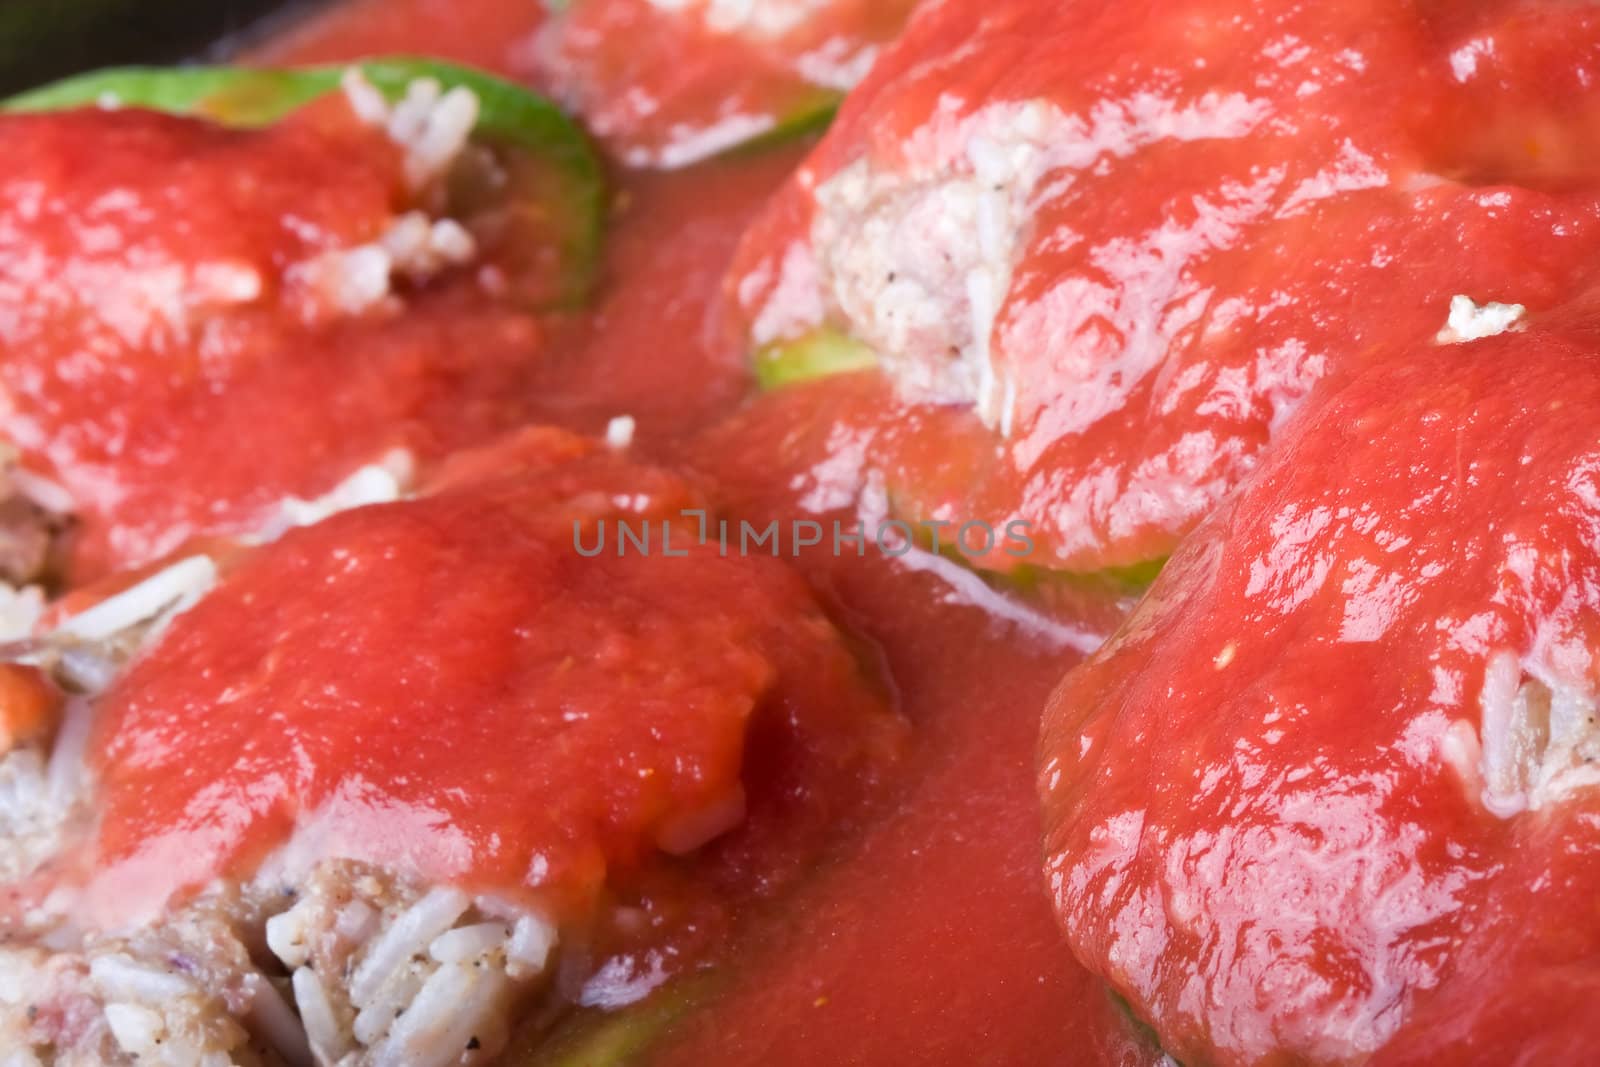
{"points": [[176, 995], [27, 539], [350, 966], [918, 260], [34, 523]]}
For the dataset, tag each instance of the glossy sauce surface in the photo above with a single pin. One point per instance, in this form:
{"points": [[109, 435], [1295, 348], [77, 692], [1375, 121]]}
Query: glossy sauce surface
{"points": [[170, 361], [928, 938], [664, 84], [654, 342], [1163, 226], [947, 879], [1329, 793], [1266, 198], [660, 84], [448, 686], [1257, 204]]}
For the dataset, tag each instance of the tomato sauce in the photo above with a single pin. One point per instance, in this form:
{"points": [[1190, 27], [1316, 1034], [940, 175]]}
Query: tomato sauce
{"points": [[665, 85], [1328, 795], [958, 905], [654, 342], [449, 686], [159, 304], [659, 85], [931, 941], [924, 933], [813, 776], [1186, 217], [495, 37]]}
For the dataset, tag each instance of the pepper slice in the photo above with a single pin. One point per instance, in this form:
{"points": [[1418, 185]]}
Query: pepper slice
{"points": [[552, 196], [817, 355]]}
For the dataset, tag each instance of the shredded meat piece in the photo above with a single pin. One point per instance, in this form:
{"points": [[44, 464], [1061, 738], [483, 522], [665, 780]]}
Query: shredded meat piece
{"points": [[27, 540]]}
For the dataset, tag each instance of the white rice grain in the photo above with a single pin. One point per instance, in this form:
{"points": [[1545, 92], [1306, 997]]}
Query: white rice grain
{"points": [[409, 118], [353, 280], [119, 977], [67, 770], [767, 19], [463, 944], [408, 936], [288, 938], [444, 135], [356, 922], [326, 1036], [619, 432], [1471, 321], [435, 1030], [383, 482], [20, 611], [420, 247], [533, 938], [380, 1011], [356, 280], [172, 590], [430, 125], [138, 1030], [88, 669], [365, 99]]}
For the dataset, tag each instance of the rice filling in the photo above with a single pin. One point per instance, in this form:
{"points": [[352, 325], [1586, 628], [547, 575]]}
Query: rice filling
{"points": [[352, 967]]}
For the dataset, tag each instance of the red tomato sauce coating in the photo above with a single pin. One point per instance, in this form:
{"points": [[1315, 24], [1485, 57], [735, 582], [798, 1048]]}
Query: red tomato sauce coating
{"points": [[1383, 159], [1122, 242], [1329, 794], [653, 341], [497, 37], [171, 362], [926, 937], [446, 685], [931, 942], [666, 84], [659, 85]]}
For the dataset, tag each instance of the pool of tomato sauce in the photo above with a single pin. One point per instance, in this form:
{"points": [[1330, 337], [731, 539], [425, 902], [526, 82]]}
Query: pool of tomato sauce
{"points": [[926, 936], [927, 942]]}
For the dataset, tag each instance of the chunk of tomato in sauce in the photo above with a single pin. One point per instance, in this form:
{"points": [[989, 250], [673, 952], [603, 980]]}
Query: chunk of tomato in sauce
{"points": [[1330, 795], [1116, 246], [194, 330], [449, 687]]}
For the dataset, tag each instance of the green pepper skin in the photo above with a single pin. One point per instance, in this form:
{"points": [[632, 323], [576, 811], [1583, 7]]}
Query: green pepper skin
{"points": [[819, 354]]}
